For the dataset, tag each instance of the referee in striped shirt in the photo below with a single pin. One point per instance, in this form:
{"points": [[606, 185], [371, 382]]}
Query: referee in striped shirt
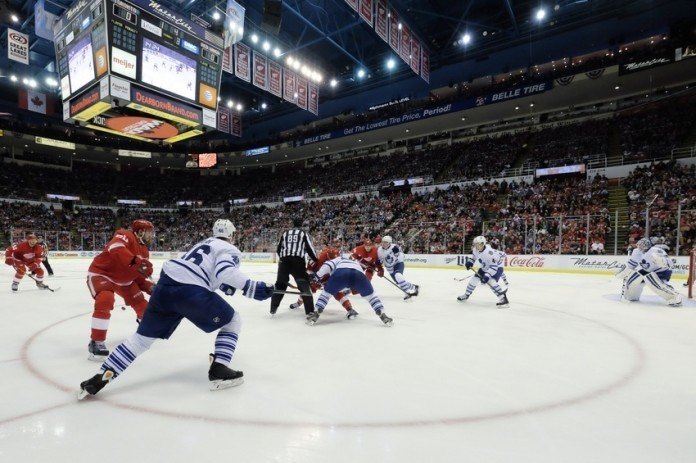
{"points": [[294, 246]]}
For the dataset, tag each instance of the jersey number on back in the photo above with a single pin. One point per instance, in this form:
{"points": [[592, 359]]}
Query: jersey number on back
{"points": [[196, 254]]}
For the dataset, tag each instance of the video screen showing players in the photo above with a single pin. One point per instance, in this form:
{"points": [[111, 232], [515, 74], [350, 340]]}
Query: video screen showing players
{"points": [[202, 160], [168, 70], [81, 63]]}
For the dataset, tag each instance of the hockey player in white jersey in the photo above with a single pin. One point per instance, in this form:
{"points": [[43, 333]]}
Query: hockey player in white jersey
{"points": [[490, 271], [186, 289], [341, 273], [648, 265], [391, 257]]}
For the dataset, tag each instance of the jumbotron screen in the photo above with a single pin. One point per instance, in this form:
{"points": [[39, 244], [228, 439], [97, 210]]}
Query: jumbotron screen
{"points": [[147, 44]]}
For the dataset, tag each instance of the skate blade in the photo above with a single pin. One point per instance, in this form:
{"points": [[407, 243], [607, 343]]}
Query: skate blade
{"points": [[350, 317], [310, 322], [504, 306], [81, 394], [97, 358], [389, 324], [220, 384]]}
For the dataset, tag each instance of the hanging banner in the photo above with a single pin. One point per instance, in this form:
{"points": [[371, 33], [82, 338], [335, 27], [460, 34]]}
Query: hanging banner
{"points": [[382, 20], [415, 55], [17, 46], [35, 101], [289, 78], [313, 104], [43, 21], [365, 11], [302, 92], [275, 78], [425, 65], [353, 4], [236, 124], [242, 61], [394, 30], [405, 47], [260, 70], [223, 120], [234, 26], [227, 59]]}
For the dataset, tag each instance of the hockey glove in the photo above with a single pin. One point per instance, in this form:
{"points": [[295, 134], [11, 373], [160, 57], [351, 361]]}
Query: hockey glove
{"points": [[145, 285], [483, 276], [20, 267], [258, 290], [142, 266], [469, 263], [227, 289], [10, 261]]}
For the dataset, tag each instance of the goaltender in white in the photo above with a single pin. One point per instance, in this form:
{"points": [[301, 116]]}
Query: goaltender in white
{"points": [[648, 265]]}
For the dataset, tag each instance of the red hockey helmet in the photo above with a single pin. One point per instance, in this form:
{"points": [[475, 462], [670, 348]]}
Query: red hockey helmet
{"points": [[142, 224]]}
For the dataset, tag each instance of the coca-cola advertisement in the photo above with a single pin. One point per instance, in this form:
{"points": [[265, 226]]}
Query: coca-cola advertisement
{"points": [[382, 20], [365, 11], [260, 70], [525, 261], [275, 78], [242, 61]]}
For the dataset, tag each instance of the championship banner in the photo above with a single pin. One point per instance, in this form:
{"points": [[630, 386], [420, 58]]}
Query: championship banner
{"points": [[394, 30], [405, 47], [302, 92], [353, 4], [17, 46], [223, 120], [242, 68], [382, 20], [365, 11], [234, 27], [425, 65], [260, 70], [275, 78], [415, 55], [227, 59], [236, 121], [289, 78], [313, 104]]}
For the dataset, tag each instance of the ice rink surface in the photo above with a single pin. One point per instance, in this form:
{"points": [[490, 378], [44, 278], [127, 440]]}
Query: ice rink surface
{"points": [[566, 374]]}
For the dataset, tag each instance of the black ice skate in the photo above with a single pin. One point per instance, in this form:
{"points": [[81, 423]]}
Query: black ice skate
{"points": [[15, 286], [504, 303], [223, 377], [294, 305], [386, 319], [97, 351], [41, 285], [351, 314], [95, 384], [312, 318], [411, 293], [462, 298]]}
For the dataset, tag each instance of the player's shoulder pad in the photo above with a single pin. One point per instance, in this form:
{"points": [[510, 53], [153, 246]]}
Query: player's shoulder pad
{"points": [[395, 248]]}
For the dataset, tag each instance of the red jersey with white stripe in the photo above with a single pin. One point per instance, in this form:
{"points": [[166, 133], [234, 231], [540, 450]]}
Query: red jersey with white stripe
{"points": [[23, 252], [368, 259], [115, 262], [327, 254]]}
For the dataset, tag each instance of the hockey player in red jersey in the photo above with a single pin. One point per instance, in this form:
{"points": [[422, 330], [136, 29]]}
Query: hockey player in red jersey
{"points": [[122, 268], [366, 255], [26, 256], [330, 252]]}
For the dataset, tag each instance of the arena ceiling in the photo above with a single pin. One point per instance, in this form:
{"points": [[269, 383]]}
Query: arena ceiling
{"points": [[330, 35]]}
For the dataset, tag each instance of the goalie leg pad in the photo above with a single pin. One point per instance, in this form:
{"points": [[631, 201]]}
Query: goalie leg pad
{"points": [[662, 289], [632, 287]]}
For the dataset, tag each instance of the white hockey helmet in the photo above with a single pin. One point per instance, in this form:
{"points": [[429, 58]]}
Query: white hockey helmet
{"points": [[479, 240], [223, 228], [386, 241], [644, 244]]}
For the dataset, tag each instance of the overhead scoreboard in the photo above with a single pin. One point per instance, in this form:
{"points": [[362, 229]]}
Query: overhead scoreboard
{"points": [[138, 69]]}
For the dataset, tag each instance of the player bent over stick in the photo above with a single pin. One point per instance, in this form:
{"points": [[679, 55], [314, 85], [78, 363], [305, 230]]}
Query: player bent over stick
{"points": [[490, 271], [341, 273], [186, 289], [649, 265]]}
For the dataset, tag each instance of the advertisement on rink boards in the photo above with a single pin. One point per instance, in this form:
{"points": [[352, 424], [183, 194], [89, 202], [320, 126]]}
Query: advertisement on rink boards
{"points": [[258, 257], [473, 102], [562, 263]]}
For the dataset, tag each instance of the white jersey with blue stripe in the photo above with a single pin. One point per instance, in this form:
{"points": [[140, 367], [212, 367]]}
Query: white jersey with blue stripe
{"points": [[489, 260], [332, 265], [391, 256], [654, 259], [209, 264]]}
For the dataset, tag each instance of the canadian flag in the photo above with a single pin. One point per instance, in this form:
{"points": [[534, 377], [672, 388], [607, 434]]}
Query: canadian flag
{"points": [[35, 101]]}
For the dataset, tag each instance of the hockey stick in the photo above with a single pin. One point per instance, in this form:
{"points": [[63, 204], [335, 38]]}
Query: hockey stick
{"points": [[374, 269], [463, 279], [47, 287], [299, 293]]}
